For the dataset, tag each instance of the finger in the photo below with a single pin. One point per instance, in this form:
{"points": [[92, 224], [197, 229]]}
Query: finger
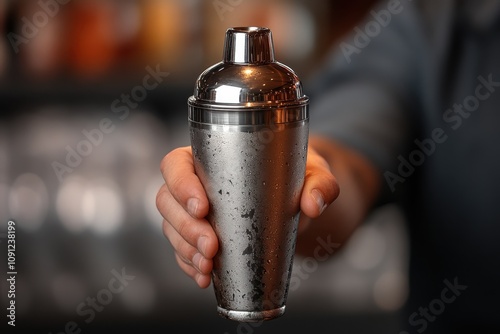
{"points": [[183, 249], [186, 252], [202, 280], [162, 198], [320, 186], [196, 232], [180, 177]]}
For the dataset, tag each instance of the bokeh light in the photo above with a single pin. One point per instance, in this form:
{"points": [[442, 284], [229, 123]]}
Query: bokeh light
{"points": [[391, 290], [153, 215], [367, 248], [73, 205], [4, 207], [107, 209], [28, 202], [96, 205]]}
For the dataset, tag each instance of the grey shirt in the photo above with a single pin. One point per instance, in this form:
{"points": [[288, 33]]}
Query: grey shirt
{"points": [[416, 89]]}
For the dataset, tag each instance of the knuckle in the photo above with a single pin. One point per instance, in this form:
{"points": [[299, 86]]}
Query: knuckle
{"points": [[185, 266], [180, 261], [176, 183], [172, 158], [167, 159], [166, 227], [182, 248], [185, 251], [161, 197], [332, 186], [187, 230], [330, 180], [164, 162]]}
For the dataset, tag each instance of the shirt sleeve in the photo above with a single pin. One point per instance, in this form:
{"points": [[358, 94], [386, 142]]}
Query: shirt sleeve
{"points": [[366, 96]]}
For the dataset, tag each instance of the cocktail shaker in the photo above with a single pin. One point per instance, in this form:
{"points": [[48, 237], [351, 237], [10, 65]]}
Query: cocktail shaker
{"points": [[248, 122]]}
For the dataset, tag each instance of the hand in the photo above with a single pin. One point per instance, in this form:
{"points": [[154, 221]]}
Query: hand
{"points": [[183, 203]]}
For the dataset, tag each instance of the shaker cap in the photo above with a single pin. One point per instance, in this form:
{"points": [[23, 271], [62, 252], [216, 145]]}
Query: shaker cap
{"points": [[248, 77], [248, 45]]}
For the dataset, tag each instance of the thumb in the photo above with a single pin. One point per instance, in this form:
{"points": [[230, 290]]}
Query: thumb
{"points": [[320, 186]]}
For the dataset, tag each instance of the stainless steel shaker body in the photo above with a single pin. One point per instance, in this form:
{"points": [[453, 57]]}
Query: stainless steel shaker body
{"points": [[248, 122]]}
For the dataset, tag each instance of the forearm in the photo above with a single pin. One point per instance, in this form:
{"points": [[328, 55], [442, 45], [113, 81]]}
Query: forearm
{"points": [[359, 185]]}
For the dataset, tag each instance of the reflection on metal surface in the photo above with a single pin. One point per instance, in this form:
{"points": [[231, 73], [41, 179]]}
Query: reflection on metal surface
{"points": [[248, 45], [248, 76], [228, 94]]}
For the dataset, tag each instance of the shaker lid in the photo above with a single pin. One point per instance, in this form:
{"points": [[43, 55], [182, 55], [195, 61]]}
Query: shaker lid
{"points": [[248, 45], [248, 76]]}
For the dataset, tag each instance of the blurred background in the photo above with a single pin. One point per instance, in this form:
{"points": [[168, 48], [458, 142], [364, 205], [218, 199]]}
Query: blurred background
{"points": [[63, 64]]}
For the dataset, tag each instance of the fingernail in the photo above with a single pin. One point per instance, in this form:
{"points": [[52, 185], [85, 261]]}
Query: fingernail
{"points": [[192, 206], [202, 244], [316, 194], [197, 261]]}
